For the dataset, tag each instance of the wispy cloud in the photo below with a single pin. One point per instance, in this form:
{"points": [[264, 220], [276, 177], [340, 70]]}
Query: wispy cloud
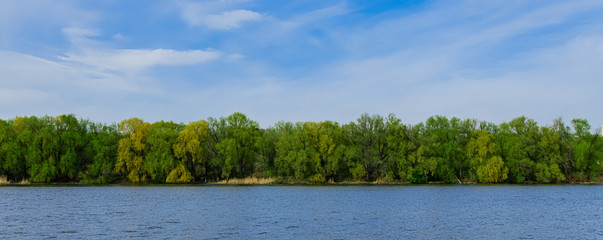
{"points": [[217, 14], [231, 19], [313, 16], [451, 65], [35, 86], [93, 54], [91, 79], [136, 60]]}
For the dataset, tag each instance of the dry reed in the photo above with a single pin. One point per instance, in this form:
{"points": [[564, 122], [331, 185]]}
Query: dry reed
{"points": [[382, 181], [248, 180], [4, 180]]}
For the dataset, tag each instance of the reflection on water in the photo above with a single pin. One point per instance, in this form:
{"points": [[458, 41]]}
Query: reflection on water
{"points": [[294, 212]]}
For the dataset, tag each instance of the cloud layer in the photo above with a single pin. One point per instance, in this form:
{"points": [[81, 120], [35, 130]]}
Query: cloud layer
{"points": [[128, 60], [296, 62]]}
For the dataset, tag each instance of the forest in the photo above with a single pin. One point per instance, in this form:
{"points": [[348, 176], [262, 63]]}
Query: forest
{"points": [[65, 149]]}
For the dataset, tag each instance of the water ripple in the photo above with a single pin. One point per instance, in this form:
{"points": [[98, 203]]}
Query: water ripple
{"points": [[300, 212]]}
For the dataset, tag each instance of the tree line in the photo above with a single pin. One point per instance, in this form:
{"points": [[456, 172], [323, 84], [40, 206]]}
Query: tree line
{"points": [[372, 148]]}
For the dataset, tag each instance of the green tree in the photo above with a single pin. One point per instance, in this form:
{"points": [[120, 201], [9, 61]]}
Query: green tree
{"points": [[102, 149], [397, 142], [588, 150], [266, 146], [445, 141], [64, 148], [309, 151], [596, 163], [582, 151], [335, 162], [416, 164], [516, 142], [369, 138], [309, 155], [42, 147], [288, 148], [12, 162], [72, 144], [566, 145], [549, 157], [235, 149], [159, 159]]}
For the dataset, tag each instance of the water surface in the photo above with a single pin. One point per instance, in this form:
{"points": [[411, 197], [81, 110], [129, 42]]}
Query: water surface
{"points": [[302, 212]]}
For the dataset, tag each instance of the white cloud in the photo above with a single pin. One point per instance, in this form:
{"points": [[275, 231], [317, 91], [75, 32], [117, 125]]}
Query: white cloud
{"points": [[36, 86], [558, 81], [135, 60], [94, 54], [231, 19], [217, 15], [438, 60], [21, 71], [444, 72], [77, 32], [313, 16], [92, 79]]}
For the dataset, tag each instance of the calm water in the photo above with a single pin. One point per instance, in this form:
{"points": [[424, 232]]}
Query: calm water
{"points": [[302, 212]]}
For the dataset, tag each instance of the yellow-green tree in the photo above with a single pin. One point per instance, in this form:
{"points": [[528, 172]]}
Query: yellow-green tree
{"points": [[131, 149], [487, 167], [179, 175], [189, 149]]}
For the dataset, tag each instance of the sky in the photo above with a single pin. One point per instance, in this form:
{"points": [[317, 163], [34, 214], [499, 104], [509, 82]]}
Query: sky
{"points": [[302, 60]]}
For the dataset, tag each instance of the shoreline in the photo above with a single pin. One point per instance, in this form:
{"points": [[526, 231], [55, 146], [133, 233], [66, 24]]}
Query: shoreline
{"points": [[291, 181], [214, 184]]}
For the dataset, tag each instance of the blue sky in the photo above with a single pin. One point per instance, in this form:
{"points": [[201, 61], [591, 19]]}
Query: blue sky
{"points": [[302, 60]]}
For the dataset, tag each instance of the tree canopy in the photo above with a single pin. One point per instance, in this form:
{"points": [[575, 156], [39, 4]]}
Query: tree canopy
{"points": [[371, 148]]}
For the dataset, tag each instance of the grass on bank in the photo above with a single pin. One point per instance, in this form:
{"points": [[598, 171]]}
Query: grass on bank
{"points": [[264, 180], [249, 180], [254, 180], [4, 181], [291, 180]]}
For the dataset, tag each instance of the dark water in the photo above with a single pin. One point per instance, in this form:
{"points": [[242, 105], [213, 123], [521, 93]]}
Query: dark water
{"points": [[302, 212]]}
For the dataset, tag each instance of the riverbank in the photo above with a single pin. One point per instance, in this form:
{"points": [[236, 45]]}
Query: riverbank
{"points": [[4, 181], [280, 181], [286, 182]]}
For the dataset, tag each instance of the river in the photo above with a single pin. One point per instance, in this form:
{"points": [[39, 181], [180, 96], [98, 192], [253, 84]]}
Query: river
{"points": [[302, 212]]}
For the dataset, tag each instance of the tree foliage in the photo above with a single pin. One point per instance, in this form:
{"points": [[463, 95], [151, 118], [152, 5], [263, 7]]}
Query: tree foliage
{"points": [[131, 149], [488, 167], [372, 148]]}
